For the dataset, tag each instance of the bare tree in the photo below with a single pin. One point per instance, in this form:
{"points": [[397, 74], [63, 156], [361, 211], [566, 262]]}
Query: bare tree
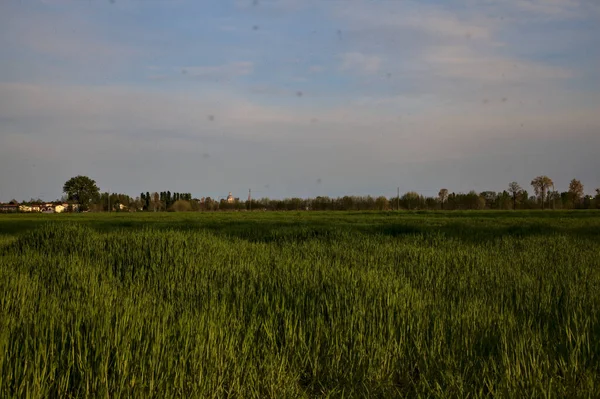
{"points": [[443, 196], [541, 184], [576, 191], [515, 190]]}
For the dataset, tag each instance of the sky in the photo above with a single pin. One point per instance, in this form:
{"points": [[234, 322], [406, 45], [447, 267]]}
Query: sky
{"points": [[297, 97]]}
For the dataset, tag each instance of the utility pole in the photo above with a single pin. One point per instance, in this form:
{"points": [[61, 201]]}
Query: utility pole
{"points": [[398, 200], [108, 195], [250, 199]]}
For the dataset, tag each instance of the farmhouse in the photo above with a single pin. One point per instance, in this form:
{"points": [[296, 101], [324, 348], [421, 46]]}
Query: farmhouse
{"points": [[48, 207], [12, 206]]}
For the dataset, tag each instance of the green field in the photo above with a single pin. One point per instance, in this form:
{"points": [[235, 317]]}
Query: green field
{"points": [[292, 305]]}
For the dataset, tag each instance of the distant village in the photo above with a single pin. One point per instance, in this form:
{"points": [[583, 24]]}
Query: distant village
{"points": [[42, 207], [61, 207]]}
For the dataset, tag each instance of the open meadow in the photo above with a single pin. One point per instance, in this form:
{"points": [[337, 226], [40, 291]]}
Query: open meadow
{"points": [[300, 304]]}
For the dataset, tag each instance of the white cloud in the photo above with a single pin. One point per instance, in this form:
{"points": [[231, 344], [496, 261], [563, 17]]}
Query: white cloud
{"points": [[412, 16], [360, 63], [66, 38], [225, 71], [549, 7], [273, 5], [463, 62], [123, 108]]}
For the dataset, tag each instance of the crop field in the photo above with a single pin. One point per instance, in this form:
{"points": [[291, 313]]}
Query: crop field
{"points": [[300, 305]]}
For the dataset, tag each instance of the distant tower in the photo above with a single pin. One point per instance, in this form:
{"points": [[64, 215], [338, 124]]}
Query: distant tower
{"points": [[230, 198]]}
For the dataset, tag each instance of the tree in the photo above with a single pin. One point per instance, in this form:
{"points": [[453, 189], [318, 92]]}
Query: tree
{"points": [[472, 200], [138, 203], [181, 206], [411, 200], [156, 203], [490, 198], [82, 190], [553, 196], [504, 201], [540, 185], [381, 203], [514, 189], [443, 195], [576, 191]]}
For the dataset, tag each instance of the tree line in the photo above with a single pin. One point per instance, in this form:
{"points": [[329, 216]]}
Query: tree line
{"points": [[84, 191], [163, 201]]}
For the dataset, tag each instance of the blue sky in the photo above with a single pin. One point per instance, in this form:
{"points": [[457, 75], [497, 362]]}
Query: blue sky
{"points": [[297, 97]]}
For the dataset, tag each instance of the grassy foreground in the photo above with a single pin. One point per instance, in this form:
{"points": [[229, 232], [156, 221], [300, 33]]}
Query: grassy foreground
{"points": [[292, 305]]}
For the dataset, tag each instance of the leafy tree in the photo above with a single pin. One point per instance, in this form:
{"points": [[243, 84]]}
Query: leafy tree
{"points": [[181, 206], [411, 200], [82, 190], [473, 201], [576, 191], [540, 185], [490, 198], [381, 203], [138, 203], [504, 201], [554, 196], [443, 196], [515, 190]]}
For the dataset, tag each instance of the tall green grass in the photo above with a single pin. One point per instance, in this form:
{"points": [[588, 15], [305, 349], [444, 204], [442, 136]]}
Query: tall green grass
{"points": [[290, 307]]}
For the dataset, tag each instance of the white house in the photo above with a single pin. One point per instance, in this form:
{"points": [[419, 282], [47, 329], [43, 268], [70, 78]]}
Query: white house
{"points": [[30, 208]]}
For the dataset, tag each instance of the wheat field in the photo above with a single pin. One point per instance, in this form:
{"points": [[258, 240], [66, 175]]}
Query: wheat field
{"points": [[300, 305]]}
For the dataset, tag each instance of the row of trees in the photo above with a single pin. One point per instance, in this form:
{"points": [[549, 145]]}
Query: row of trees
{"points": [[84, 191], [162, 201], [113, 202], [515, 197]]}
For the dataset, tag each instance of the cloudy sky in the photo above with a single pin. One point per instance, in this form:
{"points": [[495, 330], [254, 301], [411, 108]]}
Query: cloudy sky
{"points": [[297, 97]]}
